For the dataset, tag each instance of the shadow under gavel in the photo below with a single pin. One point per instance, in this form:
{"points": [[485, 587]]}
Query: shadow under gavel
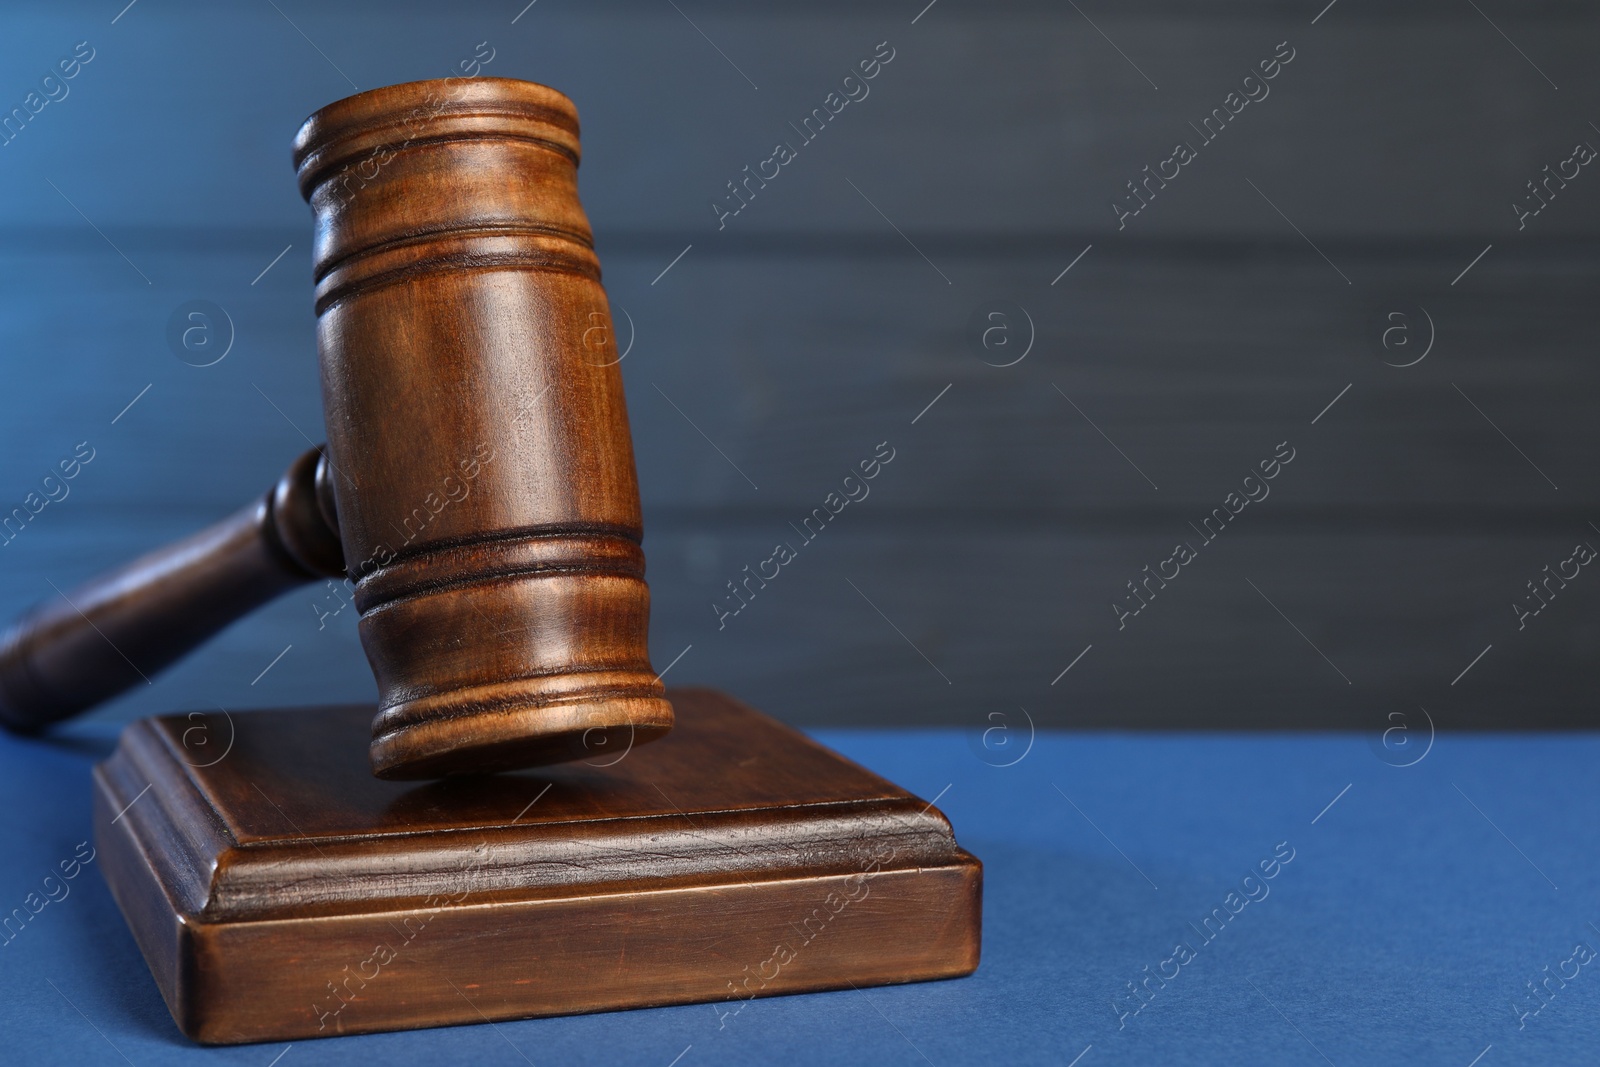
{"points": [[91, 643]]}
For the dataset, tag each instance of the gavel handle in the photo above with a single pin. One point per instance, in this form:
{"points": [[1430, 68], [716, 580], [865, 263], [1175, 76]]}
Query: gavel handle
{"points": [[69, 653]]}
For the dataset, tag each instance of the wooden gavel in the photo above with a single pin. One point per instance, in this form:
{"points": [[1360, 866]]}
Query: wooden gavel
{"points": [[478, 484]]}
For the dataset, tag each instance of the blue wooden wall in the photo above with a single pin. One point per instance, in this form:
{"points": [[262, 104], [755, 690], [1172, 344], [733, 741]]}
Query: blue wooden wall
{"points": [[1330, 224]]}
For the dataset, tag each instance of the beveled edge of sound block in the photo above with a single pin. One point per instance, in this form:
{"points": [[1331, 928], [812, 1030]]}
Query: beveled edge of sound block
{"points": [[654, 881]]}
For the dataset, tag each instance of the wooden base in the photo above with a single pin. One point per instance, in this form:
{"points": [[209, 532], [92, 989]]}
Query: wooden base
{"points": [[279, 891]]}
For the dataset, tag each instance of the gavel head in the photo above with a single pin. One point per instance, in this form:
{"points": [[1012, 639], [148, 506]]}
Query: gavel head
{"points": [[478, 442]]}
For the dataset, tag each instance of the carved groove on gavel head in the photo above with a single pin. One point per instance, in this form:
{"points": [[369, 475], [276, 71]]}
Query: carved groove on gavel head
{"points": [[482, 467]]}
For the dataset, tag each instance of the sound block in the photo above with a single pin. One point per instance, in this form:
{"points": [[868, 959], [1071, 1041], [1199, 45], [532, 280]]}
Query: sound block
{"points": [[279, 891]]}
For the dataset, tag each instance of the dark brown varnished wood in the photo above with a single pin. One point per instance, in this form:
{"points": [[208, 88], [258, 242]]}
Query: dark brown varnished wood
{"points": [[476, 425], [279, 891], [479, 471], [91, 643]]}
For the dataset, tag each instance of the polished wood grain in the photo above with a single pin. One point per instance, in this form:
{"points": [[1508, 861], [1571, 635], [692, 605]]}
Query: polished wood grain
{"points": [[484, 472], [479, 473], [81, 647], [279, 891]]}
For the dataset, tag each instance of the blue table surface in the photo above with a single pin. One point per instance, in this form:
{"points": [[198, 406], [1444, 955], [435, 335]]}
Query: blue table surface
{"points": [[1419, 904]]}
